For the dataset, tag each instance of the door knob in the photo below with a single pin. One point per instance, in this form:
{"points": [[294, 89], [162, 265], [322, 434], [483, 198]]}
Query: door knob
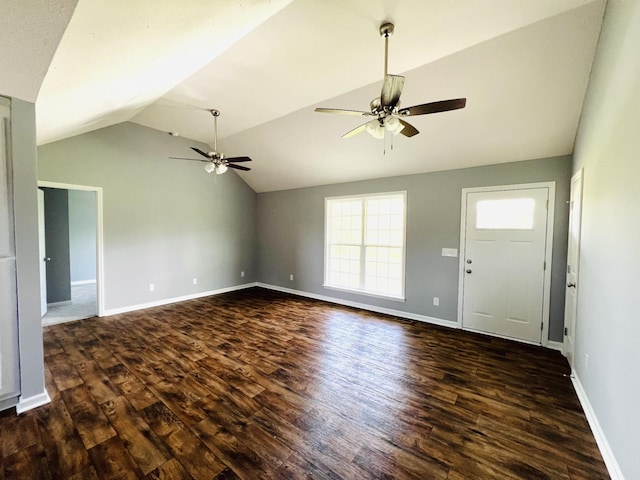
{"points": [[468, 260], [571, 285], [469, 270], [47, 259]]}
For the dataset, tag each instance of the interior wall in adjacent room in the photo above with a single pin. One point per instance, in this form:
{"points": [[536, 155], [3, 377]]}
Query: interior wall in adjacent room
{"points": [[82, 235]]}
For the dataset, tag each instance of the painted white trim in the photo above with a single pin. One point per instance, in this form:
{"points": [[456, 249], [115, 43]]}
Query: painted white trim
{"points": [[366, 294], [546, 299], [167, 301], [363, 306], [99, 235], [601, 439], [569, 349], [29, 403], [46, 322], [504, 337], [59, 304], [553, 345], [83, 282]]}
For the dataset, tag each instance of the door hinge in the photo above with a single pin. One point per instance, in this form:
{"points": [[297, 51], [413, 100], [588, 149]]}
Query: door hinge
{"points": [[541, 326], [547, 204], [544, 265], [566, 331]]}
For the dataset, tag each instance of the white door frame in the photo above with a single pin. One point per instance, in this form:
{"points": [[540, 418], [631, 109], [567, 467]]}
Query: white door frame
{"points": [[99, 232], [548, 248], [43, 254], [573, 322]]}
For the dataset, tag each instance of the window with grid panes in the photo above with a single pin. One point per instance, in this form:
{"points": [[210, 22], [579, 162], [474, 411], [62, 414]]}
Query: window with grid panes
{"points": [[365, 244]]}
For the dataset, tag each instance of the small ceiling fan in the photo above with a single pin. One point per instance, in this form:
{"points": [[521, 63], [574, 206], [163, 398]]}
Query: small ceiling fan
{"points": [[216, 161], [386, 109]]}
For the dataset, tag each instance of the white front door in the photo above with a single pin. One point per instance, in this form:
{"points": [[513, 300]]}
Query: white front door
{"points": [[43, 255], [573, 264], [504, 262]]}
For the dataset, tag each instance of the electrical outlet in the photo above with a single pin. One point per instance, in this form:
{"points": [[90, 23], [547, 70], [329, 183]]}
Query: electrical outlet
{"points": [[195, 281], [152, 287], [242, 273], [586, 361], [436, 301], [291, 277]]}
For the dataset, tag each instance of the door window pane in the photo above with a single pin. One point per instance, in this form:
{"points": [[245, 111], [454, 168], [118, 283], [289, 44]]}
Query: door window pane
{"points": [[506, 214]]}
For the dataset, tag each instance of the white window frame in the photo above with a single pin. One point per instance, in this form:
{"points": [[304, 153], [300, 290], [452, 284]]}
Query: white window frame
{"points": [[327, 246]]}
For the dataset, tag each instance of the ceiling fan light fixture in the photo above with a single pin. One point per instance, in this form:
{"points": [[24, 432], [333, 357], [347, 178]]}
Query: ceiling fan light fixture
{"points": [[386, 108], [375, 129], [216, 161], [392, 124]]}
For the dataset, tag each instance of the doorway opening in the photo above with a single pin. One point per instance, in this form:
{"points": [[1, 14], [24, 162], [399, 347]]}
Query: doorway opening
{"points": [[70, 228]]}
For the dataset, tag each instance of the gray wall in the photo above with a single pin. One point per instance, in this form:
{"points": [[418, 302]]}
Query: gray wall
{"points": [[82, 235], [56, 234], [608, 148], [165, 221], [25, 203], [291, 234]]}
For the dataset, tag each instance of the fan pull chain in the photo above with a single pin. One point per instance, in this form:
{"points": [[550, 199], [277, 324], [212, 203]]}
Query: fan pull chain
{"points": [[384, 147]]}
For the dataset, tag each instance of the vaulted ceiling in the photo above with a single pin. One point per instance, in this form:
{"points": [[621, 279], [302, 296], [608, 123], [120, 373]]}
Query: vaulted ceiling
{"points": [[523, 67]]}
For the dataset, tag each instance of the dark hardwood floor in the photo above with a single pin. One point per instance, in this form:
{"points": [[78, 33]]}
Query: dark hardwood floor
{"points": [[259, 384]]}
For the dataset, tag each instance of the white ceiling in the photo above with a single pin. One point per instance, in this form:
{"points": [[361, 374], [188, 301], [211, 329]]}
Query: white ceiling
{"points": [[523, 66]]}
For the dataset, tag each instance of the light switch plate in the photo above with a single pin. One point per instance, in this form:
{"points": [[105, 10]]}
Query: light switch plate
{"points": [[449, 252]]}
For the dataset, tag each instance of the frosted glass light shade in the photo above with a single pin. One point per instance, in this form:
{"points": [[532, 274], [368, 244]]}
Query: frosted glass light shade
{"points": [[375, 129], [210, 167], [221, 169], [392, 124]]}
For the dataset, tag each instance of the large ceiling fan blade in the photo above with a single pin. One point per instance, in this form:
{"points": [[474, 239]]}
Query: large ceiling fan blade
{"points": [[391, 90], [342, 111], [408, 130], [237, 159], [238, 167], [434, 107], [204, 154], [192, 159], [355, 131]]}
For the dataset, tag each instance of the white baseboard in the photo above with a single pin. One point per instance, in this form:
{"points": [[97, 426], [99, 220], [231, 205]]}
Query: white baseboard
{"points": [[47, 322], [553, 345], [59, 304], [34, 401], [363, 306], [603, 444], [83, 282], [167, 301]]}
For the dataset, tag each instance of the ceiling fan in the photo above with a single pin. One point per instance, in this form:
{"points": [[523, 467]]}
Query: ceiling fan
{"points": [[386, 111], [216, 161]]}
